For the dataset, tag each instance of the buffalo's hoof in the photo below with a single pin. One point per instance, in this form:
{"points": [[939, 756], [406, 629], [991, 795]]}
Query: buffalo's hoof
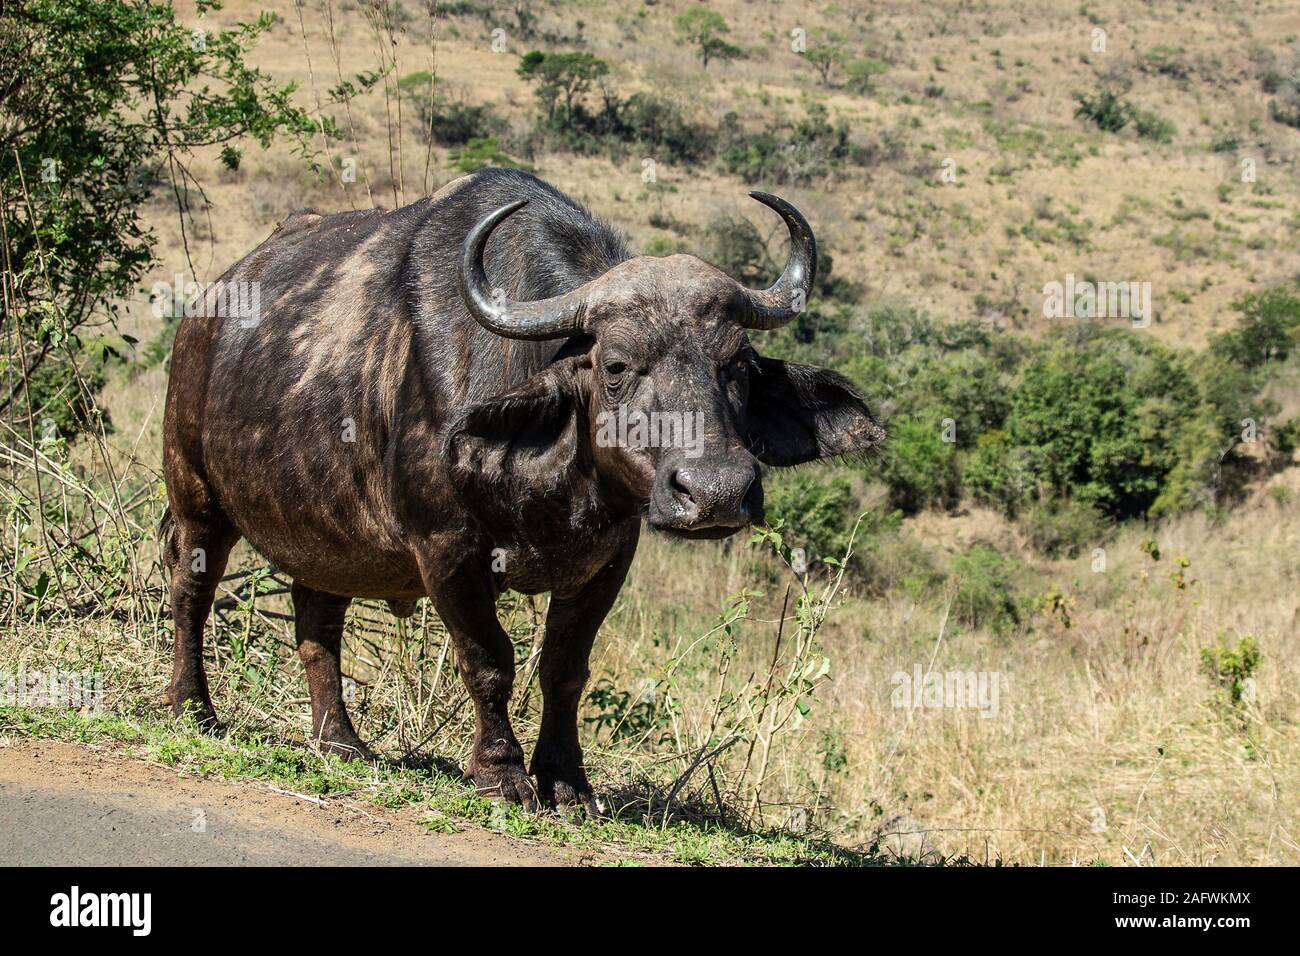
{"points": [[194, 705], [348, 747], [569, 793], [336, 737], [509, 783]]}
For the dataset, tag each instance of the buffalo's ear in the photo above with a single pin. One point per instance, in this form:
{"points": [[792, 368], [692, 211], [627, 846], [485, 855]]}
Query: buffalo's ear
{"points": [[526, 438], [798, 413]]}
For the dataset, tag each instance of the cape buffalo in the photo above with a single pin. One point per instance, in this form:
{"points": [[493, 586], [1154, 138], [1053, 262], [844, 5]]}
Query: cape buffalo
{"points": [[419, 407]]}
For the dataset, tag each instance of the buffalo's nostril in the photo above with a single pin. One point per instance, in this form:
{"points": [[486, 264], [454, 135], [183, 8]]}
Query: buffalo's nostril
{"points": [[680, 482]]}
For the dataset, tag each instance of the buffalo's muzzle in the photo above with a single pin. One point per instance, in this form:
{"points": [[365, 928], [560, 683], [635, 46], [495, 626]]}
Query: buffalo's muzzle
{"points": [[707, 497]]}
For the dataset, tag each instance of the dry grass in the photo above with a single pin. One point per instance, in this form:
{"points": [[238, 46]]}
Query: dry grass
{"points": [[1113, 712]]}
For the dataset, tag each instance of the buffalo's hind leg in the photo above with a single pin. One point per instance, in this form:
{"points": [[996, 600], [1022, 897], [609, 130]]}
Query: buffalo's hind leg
{"points": [[196, 547], [318, 628]]}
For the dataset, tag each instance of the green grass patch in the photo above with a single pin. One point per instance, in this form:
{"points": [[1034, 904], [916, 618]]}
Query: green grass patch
{"points": [[449, 803]]}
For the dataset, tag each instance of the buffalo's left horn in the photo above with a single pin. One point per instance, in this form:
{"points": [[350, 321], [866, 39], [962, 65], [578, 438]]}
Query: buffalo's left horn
{"points": [[789, 295], [553, 318]]}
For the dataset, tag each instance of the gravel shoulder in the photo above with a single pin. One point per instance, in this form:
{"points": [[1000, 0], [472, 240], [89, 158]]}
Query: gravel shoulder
{"points": [[67, 804]]}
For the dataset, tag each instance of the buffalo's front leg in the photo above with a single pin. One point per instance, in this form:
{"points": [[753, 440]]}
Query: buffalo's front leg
{"points": [[318, 627], [571, 626], [486, 660]]}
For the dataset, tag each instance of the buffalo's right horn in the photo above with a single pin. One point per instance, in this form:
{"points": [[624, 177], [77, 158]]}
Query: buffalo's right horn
{"points": [[554, 318], [788, 296]]}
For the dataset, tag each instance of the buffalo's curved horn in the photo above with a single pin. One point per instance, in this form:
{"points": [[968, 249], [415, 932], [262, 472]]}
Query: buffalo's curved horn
{"points": [[554, 318], [789, 295]]}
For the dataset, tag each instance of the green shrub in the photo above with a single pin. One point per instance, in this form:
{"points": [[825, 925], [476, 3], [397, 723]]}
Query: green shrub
{"points": [[1168, 61], [1101, 419], [1280, 77], [1286, 109], [657, 123], [1107, 110], [457, 123], [818, 511], [891, 559], [984, 595], [736, 247], [998, 474], [62, 397], [919, 467], [1151, 125], [965, 386], [1231, 667], [1098, 421], [1285, 437], [809, 150], [664, 246], [478, 153], [1200, 467], [1229, 391], [1064, 528]]}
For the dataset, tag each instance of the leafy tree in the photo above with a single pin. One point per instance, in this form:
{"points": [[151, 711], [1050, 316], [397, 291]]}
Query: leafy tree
{"points": [[861, 71], [967, 387], [827, 53], [561, 77], [1269, 329], [102, 100], [705, 28], [1103, 418]]}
